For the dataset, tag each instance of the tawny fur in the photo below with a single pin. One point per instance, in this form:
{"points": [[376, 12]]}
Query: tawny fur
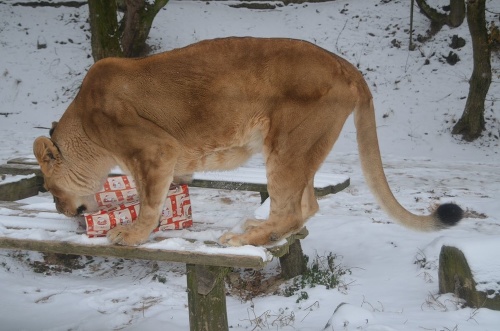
{"points": [[210, 106]]}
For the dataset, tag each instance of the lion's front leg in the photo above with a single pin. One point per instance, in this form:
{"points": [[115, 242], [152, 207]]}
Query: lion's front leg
{"points": [[153, 171], [139, 231], [152, 197]]}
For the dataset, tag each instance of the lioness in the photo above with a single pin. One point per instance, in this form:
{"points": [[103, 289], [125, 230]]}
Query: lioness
{"points": [[210, 106]]}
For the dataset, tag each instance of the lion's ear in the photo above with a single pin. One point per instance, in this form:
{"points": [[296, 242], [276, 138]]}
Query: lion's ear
{"points": [[46, 153]]}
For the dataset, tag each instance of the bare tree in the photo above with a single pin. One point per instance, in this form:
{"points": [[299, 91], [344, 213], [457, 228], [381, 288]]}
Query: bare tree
{"points": [[471, 124], [124, 38]]}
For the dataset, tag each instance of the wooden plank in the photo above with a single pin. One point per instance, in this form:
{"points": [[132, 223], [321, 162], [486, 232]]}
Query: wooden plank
{"points": [[26, 217], [23, 160], [224, 185], [20, 189], [20, 169], [333, 188], [254, 179], [128, 252], [32, 227]]}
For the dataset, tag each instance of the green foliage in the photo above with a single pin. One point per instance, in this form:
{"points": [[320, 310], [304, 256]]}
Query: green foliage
{"points": [[321, 271]]}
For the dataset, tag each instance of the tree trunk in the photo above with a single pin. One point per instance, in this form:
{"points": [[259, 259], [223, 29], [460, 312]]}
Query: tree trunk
{"points": [[104, 29], [471, 124], [457, 13], [454, 19], [136, 25]]}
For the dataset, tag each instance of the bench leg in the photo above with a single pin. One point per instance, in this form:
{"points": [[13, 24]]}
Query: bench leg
{"points": [[293, 263], [206, 298]]}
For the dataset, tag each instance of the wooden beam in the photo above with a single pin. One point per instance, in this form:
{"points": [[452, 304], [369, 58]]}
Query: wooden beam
{"points": [[20, 169], [138, 252], [225, 185], [21, 189]]}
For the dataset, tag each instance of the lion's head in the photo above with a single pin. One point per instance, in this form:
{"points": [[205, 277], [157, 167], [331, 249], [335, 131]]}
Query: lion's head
{"points": [[65, 181]]}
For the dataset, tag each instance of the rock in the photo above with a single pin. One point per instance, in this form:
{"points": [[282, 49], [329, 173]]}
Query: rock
{"points": [[41, 43], [457, 42], [452, 58]]}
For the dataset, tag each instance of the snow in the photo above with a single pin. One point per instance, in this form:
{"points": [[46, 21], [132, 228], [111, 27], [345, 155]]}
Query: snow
{"points": [[393, 281], [6, 179], [349, 315], [180, 244], [258, 176]]}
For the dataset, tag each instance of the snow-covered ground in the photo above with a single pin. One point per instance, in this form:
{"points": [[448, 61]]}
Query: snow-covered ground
{"points": [[393, 281]]}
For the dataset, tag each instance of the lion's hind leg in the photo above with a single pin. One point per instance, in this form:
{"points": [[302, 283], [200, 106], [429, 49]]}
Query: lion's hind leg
{"points": [[285, 218], [287, 183], [309, 203], [309, 206]]}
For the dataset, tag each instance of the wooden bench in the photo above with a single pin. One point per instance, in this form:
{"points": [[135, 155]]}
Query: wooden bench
{"points": [[26, 228], [243, 179]]}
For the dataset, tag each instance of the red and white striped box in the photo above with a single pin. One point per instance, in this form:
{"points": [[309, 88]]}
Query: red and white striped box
{"points": [[119, 203]]}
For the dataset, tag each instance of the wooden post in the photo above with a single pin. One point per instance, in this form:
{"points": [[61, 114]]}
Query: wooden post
{"points": [[206, 298], [293, 263]]}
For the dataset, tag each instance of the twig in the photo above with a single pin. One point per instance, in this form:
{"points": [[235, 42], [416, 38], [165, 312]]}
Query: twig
{"points": [[338, 37], [316, 304]]}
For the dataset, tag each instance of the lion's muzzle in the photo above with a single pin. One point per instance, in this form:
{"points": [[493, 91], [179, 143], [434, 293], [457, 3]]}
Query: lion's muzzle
{"points": [[66, 208], [80, 210]]}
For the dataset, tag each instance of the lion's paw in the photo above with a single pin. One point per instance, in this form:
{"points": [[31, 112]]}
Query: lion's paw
{"points": [[232, 239], [126, 235]]}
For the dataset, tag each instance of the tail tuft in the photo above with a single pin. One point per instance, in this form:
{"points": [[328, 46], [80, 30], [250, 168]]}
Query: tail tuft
{"points": [[449, 214]]}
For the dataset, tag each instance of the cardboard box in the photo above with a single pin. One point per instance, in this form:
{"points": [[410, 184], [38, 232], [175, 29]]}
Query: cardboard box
{"points": [[119, 204]]}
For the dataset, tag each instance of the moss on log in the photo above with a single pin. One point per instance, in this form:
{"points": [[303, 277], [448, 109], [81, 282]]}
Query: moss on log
{"points": [[455, 276]]}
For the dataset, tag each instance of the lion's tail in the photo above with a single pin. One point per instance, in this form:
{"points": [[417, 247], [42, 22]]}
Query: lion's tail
{"points": [[444, 216]]}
